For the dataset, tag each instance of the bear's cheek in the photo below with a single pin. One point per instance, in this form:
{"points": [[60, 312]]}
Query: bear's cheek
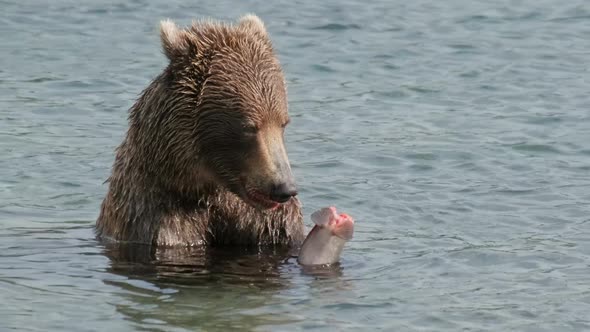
{"points": [[231, 160]]}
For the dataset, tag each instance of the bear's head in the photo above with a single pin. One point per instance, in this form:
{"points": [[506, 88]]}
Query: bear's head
{"points": [[226, 97]]}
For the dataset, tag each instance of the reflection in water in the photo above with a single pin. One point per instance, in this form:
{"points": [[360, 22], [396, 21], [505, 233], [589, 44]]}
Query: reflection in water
{"points": [[194, 265], [214, 288], [323, 272]]}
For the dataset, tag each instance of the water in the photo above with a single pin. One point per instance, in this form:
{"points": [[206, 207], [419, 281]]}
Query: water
{"points": [[455, 132]]}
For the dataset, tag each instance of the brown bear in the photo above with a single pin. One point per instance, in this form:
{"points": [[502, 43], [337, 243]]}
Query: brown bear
{"points": [[204, 161]]}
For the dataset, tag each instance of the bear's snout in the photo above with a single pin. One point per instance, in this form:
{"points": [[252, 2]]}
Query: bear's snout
{"points": [[283, 192]]}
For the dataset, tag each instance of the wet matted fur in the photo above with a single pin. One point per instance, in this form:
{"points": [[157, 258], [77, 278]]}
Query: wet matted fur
{"points": [[205, 141]]}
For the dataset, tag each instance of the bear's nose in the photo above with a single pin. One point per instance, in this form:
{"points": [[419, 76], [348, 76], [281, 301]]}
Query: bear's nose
{"points": [[283, 192]]}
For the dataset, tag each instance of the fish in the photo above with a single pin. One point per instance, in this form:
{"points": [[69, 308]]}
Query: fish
{"points": [[324, 243]]}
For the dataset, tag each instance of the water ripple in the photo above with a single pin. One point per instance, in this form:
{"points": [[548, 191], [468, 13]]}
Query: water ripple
{"points": [[455, 132]]}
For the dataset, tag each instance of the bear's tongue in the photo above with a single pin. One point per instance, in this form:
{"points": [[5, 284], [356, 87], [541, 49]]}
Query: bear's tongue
{"points": [[261, 199]]}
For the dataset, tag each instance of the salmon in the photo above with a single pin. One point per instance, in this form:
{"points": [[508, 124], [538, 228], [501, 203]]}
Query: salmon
{"points": [[324, 243]]}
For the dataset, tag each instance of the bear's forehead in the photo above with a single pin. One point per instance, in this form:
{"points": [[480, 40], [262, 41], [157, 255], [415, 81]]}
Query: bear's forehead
{"points": [[254, 89], [239, 71], [263, 114]]}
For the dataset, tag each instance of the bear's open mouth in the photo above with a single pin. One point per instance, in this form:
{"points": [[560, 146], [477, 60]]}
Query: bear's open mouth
{"points": [[259, 199]]}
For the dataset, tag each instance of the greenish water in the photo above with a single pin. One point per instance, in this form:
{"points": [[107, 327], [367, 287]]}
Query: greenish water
{"points": [[456, 132]]}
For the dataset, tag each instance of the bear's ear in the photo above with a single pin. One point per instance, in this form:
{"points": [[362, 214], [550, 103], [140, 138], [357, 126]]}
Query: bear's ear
{"points": [[174, 41], [253, 23]]}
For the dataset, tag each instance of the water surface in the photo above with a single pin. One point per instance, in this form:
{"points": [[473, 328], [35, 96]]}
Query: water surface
{"points": [[456, 132]]}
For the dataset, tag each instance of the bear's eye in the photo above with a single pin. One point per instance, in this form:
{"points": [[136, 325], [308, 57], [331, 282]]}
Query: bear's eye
{"points": [[250, 130], [285, 123]]}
